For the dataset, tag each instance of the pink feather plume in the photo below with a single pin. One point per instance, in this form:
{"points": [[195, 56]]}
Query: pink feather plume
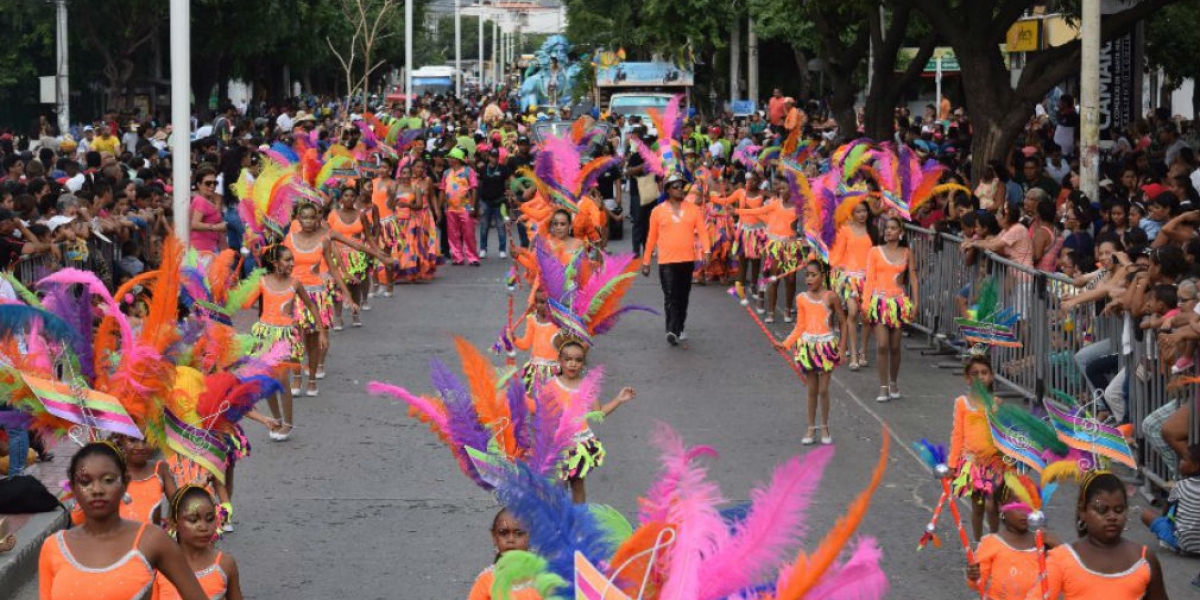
{"points": [[858, 578], [654, 162], [436, 415], [776, 519], [699, 531]]}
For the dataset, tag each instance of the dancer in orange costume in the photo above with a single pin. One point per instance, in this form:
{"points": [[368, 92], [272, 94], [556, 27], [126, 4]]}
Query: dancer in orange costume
{"points": [[816, 344], [888, 308], [848, 257], [196, 521]]}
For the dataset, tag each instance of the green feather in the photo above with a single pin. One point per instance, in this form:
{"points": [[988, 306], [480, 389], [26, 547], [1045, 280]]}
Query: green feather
{"points": [[605, 292], [615, 525], [1013, 418], [989, 300], [242, 292], [516, 567], [29, 297]]}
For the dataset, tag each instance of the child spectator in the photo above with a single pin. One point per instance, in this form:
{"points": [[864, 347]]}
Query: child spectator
{"points": [[1178, 527]]}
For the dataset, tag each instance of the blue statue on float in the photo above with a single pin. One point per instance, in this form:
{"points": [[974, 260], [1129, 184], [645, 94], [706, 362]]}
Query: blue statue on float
{"points": [[549, 77]]}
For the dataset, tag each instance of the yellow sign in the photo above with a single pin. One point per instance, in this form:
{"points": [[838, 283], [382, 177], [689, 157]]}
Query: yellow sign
{"points": [[1024, 36]]}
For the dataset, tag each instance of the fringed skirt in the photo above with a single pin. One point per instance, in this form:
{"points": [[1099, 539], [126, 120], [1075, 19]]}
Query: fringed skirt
{"points": [[782, 255], [721, 240], [749, 241], [237, 445], [268, 335], [848, 285], [538, 372], [587, 454], [818, 353], [355, 265], [323, 298], [973, 477], [390, 232], [892, 312]]}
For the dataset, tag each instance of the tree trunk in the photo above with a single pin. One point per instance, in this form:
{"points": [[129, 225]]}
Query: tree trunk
{"points": [[841, 101], [805, 74]]}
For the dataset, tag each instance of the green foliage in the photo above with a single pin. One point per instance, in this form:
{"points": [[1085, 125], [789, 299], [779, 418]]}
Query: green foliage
{"points": [[1170, 42], [28, 49]]}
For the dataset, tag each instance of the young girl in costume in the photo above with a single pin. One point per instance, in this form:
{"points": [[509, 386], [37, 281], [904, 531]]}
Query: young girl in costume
{"points": [[783, 249], [718, 218], [148, 482], [538, 340], [195, 521], [1006, 562], [1102, 564], [587, 453], [888, 308], [970, 440], [816, 344], [848, 257], [107, 557], [278, 295], [386, 226], [507, 534], [751, 232], [405, 245], [349, 221], [424, 220]]}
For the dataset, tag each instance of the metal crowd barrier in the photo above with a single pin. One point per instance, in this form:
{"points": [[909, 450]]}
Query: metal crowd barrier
{"points": [[1044, 365]]}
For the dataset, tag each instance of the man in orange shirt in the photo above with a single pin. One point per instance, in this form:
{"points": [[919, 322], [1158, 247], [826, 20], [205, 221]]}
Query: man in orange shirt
{"points": [[776, 108], [795, 117], [674, 227]]}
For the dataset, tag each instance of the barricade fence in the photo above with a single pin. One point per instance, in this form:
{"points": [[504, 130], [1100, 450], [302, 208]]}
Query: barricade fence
{"points": [[1060, 347]]}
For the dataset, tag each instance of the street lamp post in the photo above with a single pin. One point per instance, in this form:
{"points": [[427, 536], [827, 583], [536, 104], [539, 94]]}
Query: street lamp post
{"points": [[1089, 138], [181, 124], [62, 85], [408, 54], [458, 48]]}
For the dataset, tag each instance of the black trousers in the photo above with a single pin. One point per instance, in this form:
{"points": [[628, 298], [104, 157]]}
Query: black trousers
{"points": [[641, 223], [676, 280]]}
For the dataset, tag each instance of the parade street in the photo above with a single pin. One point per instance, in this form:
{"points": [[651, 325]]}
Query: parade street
{"points": [[364, 503]]}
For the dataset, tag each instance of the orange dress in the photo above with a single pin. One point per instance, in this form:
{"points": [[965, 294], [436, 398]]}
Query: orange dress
{"points": [[389, 228], [213, 581], [848, 257], [783, 248], [1067, 575], [751, 230], [277, 323], [312, 272], [538, 340], [884, 298], [147, 496], [972, 449], [355, 264], [482, 590], [62, 577], [814, 342], [1005, 573]]}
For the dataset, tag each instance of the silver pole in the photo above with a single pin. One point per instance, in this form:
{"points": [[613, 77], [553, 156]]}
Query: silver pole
{"points": [[752, 66], [479, 62], [735, 59], [458, 47], [408, 53], [1089, 139], [495, 54], [181, 123], [62, 81]]}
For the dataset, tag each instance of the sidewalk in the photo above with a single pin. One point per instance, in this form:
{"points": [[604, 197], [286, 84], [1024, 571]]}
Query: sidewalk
{"points": [[19, 565]]}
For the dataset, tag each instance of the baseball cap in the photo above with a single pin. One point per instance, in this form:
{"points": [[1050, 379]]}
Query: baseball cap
{"points": [[88, 128], [1152, 190], [457, 153], [675, 177]]}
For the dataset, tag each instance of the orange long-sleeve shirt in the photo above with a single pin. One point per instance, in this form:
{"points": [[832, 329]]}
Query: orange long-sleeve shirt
{"points": [[781, 220], [538, 339], [674, 234], [740, 199], [850, 249], [970, 434], [882, 275]]}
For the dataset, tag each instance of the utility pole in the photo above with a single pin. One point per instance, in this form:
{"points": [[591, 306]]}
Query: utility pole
{"points": [[752, 63], [62, 80], [181, 121], [1089, 79], [408, 54], [458, 48], [480, 61], [735, 58], [495, 53]]}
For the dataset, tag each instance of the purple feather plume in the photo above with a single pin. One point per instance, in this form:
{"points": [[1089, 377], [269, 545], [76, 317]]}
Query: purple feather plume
{"points": [[463, 420], [552, 274], [519, 413], [543, 452], [76, 311]]}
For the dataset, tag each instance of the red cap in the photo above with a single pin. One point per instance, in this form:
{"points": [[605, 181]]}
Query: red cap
{"points": [[1154, 189]]}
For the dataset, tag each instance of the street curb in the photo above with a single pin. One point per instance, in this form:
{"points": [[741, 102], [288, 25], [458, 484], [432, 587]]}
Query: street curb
{"points": [[20, 565]]}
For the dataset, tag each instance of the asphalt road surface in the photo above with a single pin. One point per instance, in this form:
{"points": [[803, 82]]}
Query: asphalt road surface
{"points": [[364, 503]]}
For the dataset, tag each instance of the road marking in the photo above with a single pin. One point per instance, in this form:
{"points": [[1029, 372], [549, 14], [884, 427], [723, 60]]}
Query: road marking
{"points": [[891, 431]]}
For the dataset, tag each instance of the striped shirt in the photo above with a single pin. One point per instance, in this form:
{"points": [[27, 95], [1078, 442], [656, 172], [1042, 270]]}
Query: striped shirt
{"points": [[1186, 500]]}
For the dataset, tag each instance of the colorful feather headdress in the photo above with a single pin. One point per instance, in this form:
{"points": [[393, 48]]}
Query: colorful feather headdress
{"points": [[667, 155], [991, 324], [905, 183], [686, 546], [561, 174], [586, 301]]}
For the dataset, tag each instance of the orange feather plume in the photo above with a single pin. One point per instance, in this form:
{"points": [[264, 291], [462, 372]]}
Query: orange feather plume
{"points": [[220, 274], [633, 560], [159, 328], [846, 208], [491, 407], [791, 143], [808, 569], [108, 335]]}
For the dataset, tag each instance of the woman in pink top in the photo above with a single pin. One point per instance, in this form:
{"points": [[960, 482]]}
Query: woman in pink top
{"points": [[207, 225], [1014, 242]]}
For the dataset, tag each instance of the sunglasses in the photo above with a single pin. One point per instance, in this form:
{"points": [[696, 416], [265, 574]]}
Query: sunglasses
{"points": [[209, 182]]}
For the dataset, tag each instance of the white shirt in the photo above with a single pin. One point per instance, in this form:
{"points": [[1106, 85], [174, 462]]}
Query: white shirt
{"points": [[285, 122], [1173, 150]]}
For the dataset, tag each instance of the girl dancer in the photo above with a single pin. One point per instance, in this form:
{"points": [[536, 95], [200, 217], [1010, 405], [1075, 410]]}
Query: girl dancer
{"points": [[887, 307], [422, 228], [351, 222], [507, 534], [970, 441], [1006, 566], [195, 521], [848, 257], [1102, 564], [782, 249], [387, 228], [587, 453], [751, 232], [538, 340], [148, 482], [405, 243], [94, 560], [312, 253], [816, 344], [277, 294]]}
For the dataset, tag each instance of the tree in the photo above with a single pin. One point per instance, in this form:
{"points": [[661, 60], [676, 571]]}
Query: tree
{"points": [[367, 19], [117, 30], [786, 21], [976, 29], [844, 41], [887, 87], [1167, 49]]}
